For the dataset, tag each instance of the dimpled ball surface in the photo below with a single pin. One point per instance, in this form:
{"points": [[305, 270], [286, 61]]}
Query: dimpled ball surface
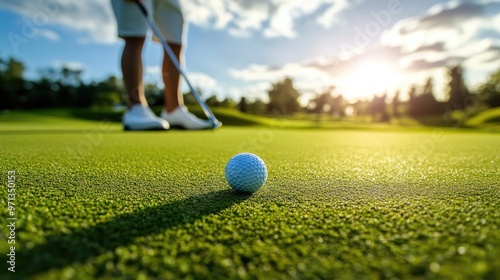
{"points": [[246, 172]]}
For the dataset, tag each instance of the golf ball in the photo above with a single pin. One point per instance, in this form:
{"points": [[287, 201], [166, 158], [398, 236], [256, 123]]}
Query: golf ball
{"points": [[246, 172]]}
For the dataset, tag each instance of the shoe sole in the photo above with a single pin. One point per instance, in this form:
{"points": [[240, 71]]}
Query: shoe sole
{"points": [[127, 128], [179, 127]]}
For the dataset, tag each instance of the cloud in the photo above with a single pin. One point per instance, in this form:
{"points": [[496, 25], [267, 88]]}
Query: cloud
{"points": [[281, 21], [215, 14], [95, 22], [93, 19], [72, 65], [419, 64], [449, 33], [251, 92], [273, 18], [48, 34], [209, 86], [307, 78], [152, 74], [437, 47], [416, 48], [203, 81], [446, 16], [256, 72], [329, 17]]}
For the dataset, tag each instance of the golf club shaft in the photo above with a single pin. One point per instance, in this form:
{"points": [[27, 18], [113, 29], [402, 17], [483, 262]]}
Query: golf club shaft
{"points": [[175, 61]]}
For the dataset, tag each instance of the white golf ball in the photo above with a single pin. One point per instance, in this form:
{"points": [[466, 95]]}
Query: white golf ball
{"points": [[246, 172]]}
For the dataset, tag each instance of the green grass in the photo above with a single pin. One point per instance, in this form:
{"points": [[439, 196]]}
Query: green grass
{"points": [[229, 117], [95, 202], [486, 118]]}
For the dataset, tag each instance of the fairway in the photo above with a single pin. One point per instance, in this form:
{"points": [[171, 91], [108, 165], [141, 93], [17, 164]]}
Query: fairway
{"points": [[337, 204]]}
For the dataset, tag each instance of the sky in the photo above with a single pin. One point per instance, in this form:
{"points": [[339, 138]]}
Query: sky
{"points": [[238, 48]]}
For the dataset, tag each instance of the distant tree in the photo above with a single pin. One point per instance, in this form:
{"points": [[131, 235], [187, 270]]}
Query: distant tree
{"points": [[337, 106], [12, 91], [378, 108], [65, 88], [228, 103], [45, 90], [321, 103], [458, 93], [68, 82], [412, 96], [213, 101], [243, 105], [283, 98], [107, 93], [360, 108], [424, 104], [189, 98], [326, 102], [257, 107], [154, 94], [5, 96], [15, 69], [83, 96], [55, 87], [70, 77], [489, 91], [3, 67], [395, 104], [15, 93], [111, 83], [428, 103]]}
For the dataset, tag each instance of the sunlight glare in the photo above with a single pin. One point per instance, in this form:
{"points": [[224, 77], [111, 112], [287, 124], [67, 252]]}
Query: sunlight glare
{"points": [[369, 79]]}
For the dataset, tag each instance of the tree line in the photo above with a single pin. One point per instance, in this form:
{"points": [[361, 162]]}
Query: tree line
{"points": [[61, 87], [421, 100], [64, 87]]}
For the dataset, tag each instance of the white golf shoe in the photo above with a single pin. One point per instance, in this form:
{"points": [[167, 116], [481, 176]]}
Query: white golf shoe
{"points": [[140, 117], [182, 118]]}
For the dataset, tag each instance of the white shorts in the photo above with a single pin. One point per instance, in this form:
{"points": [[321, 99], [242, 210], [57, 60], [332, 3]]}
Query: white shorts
{"points": [[166, 13]]}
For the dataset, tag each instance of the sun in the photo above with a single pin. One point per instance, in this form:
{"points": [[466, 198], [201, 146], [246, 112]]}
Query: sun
{"points": [[368, 79]]}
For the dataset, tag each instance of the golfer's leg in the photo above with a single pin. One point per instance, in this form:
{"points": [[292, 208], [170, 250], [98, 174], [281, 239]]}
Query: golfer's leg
{"points": [[168, 15], [171, 79], [131, 63], [133, 29]]}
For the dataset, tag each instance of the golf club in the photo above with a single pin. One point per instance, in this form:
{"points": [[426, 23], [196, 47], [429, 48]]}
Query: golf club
{"points": [[156, 30]]}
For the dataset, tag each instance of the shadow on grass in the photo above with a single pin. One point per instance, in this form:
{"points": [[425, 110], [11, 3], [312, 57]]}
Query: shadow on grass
{"points": [[77, 247]]}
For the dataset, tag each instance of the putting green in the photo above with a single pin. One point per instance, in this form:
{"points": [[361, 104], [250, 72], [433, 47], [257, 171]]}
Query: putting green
{"points": [[97, 202]]}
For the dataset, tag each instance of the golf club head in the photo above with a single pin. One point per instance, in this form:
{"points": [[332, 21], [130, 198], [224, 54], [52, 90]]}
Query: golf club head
{"points": [[215, 124]]}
